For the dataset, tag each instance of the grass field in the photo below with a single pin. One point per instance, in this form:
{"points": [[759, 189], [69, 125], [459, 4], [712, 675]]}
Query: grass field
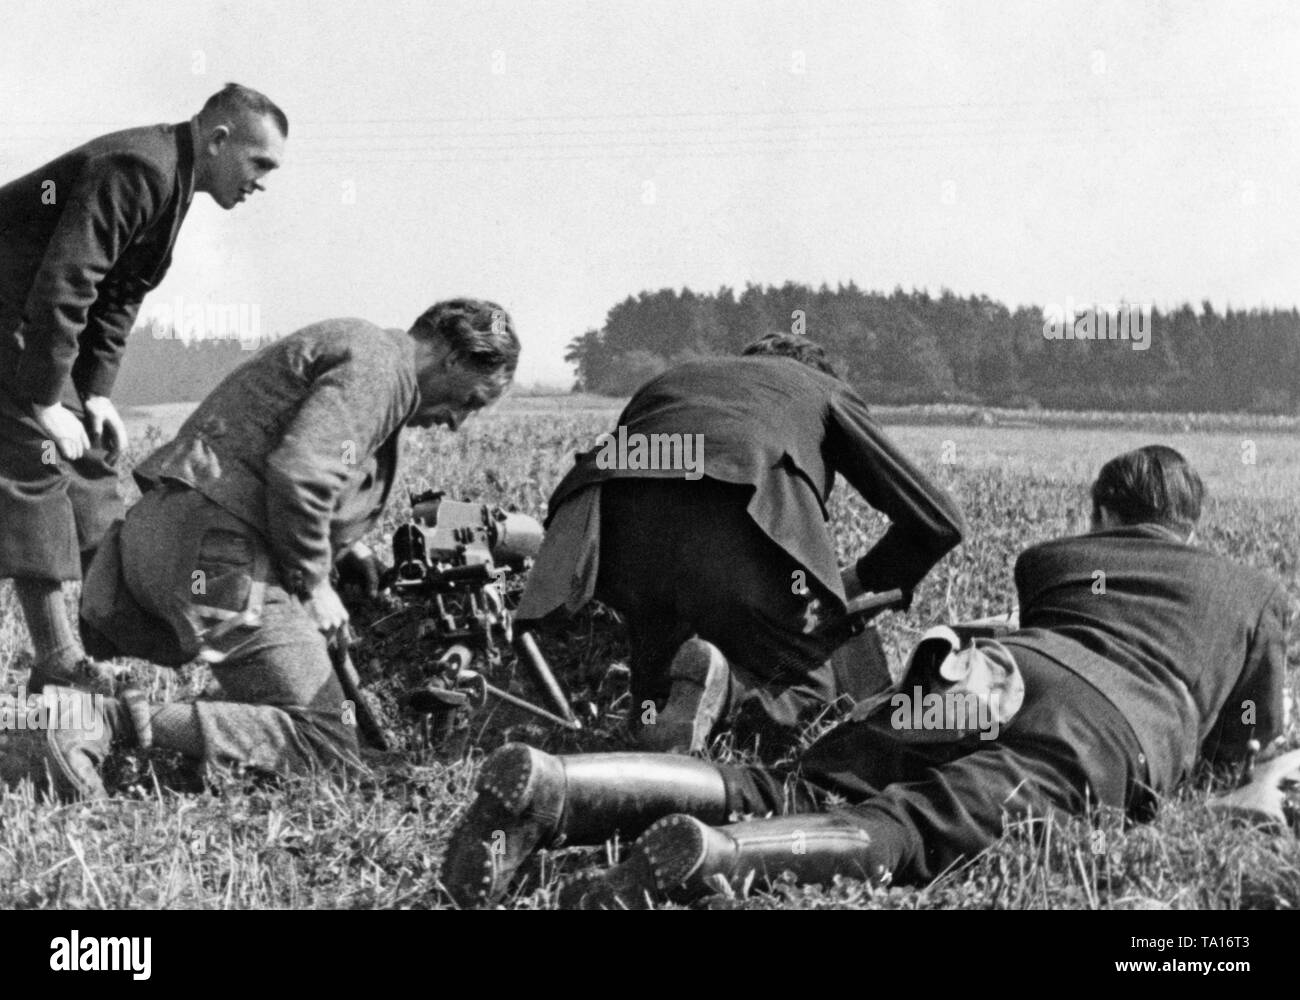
{"points": [[377, 843]]}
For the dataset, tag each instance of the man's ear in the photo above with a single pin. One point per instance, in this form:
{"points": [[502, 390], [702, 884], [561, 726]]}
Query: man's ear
{"points": [[217, 137], [452, 361]]}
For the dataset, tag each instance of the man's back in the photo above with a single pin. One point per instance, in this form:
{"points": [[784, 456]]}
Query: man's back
{"points": [[83, 238], [751, 412], [1188, 645], [278, 441], [786, 429], [30, 206]]}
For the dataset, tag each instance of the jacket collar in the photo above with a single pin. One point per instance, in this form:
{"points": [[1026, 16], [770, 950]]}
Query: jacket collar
{"points": [[187, 150]]}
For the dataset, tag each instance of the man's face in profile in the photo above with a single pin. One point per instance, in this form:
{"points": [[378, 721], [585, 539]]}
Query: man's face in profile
{"points": [[241, 155]]}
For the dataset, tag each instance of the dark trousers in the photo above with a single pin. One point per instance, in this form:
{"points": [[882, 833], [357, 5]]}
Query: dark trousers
{"points": [[681, 558], [928, 806], [52, 511]]}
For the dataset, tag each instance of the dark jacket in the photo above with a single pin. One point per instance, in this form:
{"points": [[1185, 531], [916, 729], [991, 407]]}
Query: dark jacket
{"points": [[82, 239], [787, 429], [300, 441], [1189, 646]]}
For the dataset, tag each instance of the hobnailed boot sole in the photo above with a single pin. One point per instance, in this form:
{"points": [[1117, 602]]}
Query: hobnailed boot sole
{"points": [[513, 814], [680, 858], [629, 885], [528, 800], [682, 853], [668, 861]]}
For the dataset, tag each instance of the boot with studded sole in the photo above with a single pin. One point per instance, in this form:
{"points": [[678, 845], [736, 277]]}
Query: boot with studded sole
{"points": [[528, 800], [680, 858], [697, 701]]}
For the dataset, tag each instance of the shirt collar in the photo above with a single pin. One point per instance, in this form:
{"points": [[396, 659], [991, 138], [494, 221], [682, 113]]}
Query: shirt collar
{"points": [[1146, 529]]}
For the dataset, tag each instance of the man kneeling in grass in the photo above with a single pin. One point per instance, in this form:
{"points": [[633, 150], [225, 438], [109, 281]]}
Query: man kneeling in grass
{"points": [[228, 555], [1179, 653]]}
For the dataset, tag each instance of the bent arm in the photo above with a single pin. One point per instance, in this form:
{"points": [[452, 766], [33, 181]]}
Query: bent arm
{"points": [[1255, 709], [353, 403], [114, 202], [925, 521]]}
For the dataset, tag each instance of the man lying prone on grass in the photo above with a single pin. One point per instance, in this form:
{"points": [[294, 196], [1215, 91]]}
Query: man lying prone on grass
{"points": [[1104, 696]]}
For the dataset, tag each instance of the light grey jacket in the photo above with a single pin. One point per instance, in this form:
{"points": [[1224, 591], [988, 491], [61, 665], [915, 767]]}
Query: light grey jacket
{"points": [[300, 441]]}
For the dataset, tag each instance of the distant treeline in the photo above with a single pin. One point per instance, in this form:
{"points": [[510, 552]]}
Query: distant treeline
{"points": [[161, 368], [912, 347]]}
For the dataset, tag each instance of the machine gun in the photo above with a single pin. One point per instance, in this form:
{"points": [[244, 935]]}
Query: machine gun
{"points": [[464, 562]]}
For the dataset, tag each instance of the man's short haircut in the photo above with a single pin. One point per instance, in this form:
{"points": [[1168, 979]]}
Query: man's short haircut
{"points": [[233, 100], [479, 333], [791, 345], [1154, 484]]}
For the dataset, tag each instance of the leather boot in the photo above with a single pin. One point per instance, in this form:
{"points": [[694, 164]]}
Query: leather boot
{"points": [[697, 700], [87, 675], [528, 799], [680, 858], [81, 731]]}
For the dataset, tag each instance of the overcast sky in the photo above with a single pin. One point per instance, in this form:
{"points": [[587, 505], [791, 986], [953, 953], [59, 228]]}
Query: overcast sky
{"points": [[559, 156]]}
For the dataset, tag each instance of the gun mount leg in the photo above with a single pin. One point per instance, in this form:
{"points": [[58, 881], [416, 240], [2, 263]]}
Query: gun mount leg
{"points": [[529, 653]]}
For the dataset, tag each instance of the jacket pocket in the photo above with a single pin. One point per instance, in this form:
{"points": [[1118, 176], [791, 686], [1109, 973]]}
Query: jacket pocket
{"points": [[223, 571], [112, 621]]}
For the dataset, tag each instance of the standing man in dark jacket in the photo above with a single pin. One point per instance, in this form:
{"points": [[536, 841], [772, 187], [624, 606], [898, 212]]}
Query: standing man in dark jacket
{"points": [[704, 515], [229, 553], [82, 240], [1139, 652]]}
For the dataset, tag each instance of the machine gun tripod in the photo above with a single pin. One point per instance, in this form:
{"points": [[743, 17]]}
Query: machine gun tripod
{"points": [[464, 563]]}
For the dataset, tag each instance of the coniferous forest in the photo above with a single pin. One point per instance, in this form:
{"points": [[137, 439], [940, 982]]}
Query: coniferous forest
{"points": [[162, 368], [904, 347], [914, 347]]}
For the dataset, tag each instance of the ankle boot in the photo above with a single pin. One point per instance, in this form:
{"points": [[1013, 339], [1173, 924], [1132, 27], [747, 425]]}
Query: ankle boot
{"points": [[81, 731], [86, 675], [528, 799], [680, 858], [697, 700]]}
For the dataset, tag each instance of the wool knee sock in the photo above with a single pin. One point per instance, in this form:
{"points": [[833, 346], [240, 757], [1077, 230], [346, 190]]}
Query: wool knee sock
{"points": [[53, 640], [176, 727]]}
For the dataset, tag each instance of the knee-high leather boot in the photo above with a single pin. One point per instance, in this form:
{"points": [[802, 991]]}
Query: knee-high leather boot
{"points": [[528, 799], [680, 858]]}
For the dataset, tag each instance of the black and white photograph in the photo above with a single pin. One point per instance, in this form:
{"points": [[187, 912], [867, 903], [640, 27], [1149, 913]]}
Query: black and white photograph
{"points": [[636, 456]]}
